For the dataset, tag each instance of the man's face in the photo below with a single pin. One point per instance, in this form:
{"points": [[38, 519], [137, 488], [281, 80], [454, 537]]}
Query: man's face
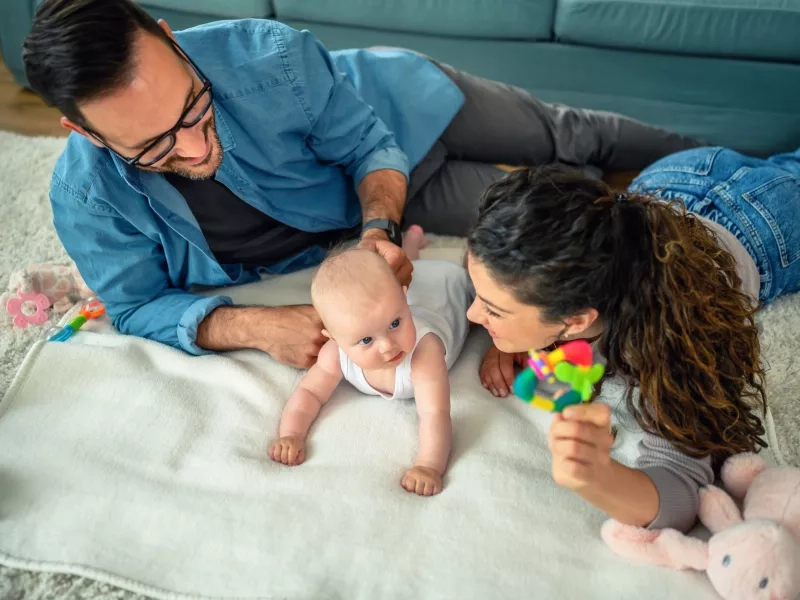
{"points": [[134, 115]]}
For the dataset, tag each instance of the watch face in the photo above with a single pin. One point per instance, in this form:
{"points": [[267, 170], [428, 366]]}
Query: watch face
{"points": [[394, 233]]}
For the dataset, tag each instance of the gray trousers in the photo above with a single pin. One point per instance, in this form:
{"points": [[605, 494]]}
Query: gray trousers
{"points": [[503, 124]]}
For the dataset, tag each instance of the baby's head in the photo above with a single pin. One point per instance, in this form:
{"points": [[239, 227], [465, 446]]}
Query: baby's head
{"points": [[364, 308]]}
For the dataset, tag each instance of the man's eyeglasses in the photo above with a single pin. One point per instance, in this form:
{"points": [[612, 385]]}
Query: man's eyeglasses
{"points": [[193, 114]]}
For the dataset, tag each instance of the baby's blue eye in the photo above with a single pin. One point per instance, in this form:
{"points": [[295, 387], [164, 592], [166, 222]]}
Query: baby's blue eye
{"points": [[365, 341], [763, 583], [395, 324], [726, 560]]}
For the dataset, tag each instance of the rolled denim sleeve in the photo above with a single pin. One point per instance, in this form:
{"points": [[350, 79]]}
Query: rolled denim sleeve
{"points": [[343, 128], [127, 270]]}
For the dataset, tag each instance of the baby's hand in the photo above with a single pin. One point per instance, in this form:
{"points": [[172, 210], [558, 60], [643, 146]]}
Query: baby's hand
{"points": [[423, 481], [289, 450]]}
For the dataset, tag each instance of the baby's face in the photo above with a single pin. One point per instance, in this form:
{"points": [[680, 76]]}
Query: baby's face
{"points": [[374, 333]]}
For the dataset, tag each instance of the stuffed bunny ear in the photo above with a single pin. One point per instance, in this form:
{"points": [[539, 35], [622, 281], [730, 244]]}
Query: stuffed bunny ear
{"points": [[717, 510], [662, 547], [740, 470]]}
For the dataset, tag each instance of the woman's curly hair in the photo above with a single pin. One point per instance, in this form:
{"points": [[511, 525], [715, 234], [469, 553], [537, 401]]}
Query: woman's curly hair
{"points": [[676, 323]]}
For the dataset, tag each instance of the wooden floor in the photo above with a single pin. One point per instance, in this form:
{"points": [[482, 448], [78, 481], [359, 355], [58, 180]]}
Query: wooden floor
{"points": [[22, 111]]}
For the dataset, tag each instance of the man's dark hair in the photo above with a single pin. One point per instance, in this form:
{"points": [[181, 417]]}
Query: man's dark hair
{"points": [[82, 49]]}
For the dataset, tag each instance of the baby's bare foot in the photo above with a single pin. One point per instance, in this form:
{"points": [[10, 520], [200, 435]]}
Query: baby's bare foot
{"points": [[289, 450], [414, 240], [422, 481]]}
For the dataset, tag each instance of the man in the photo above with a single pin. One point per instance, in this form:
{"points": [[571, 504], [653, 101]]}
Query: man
{"points": [[210, 156]]}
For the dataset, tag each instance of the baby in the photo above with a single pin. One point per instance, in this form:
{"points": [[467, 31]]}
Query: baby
{"points": [[385, 340]]}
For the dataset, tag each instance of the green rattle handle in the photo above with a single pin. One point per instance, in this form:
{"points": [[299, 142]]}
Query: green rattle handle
{"points": [[77, 322]]}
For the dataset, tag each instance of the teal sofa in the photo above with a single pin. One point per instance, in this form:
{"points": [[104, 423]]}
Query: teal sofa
{"points": [[724, 70]]}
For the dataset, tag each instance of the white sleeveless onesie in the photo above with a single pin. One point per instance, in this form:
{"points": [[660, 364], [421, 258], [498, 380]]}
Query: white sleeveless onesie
{"points": [[438, 298]]}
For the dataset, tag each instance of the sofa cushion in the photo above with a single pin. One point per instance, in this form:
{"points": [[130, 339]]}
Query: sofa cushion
{"points": [[498, 19], [229, 9], [767, 29]]}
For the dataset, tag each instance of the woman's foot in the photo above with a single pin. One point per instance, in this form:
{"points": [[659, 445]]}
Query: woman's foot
{"points": [[414, 240]]}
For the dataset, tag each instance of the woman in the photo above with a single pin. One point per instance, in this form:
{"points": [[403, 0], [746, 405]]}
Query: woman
{"points": [[667, 296]]}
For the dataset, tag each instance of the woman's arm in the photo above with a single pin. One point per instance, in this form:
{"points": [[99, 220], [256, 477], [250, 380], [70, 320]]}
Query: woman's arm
{"points": [[677, 478], [625, 494], [661, 492], [580, 441]]}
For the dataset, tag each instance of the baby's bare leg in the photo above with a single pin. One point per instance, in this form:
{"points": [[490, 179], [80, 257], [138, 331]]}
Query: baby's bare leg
{"points": [[414, 240]]}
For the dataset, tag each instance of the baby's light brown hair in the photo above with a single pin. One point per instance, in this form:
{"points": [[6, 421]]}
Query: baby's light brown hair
{"points": [[349, 277]]}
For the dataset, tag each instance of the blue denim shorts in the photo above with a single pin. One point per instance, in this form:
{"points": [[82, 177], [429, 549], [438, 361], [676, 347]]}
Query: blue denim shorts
{"points": [[758, 200]]}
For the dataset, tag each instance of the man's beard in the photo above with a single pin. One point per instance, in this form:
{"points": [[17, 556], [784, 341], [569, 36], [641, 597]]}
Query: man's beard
{"points": [[200, 170]]}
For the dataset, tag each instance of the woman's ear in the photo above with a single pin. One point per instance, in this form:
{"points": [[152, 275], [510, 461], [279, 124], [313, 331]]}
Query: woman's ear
{"points": [[581, 322], [405, 290]]}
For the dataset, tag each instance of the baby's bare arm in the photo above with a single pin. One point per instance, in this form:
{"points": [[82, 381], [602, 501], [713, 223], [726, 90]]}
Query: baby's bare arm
{"points": [[314, 390], [432, 391]]}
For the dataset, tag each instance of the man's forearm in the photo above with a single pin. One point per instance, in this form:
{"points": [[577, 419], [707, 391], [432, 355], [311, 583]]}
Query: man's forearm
{"points": [[232, 328], [383, 195], [625, 494]]}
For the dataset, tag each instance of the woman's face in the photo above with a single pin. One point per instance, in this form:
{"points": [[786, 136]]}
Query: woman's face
{"points": [[514, 327]]}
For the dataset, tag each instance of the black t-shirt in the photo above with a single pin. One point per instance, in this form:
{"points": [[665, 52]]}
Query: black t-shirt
{"points": [[239, 233]]}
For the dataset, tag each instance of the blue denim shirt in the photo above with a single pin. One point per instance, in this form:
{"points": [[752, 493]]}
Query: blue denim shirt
{"points": [[299, 128]]}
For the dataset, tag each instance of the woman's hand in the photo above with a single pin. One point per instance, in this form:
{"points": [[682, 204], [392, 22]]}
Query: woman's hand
{"points": [[497, 370], [580, 441]]}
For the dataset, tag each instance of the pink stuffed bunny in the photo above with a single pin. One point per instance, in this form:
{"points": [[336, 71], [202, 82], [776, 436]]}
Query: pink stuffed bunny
{"points": [[756, 557]]}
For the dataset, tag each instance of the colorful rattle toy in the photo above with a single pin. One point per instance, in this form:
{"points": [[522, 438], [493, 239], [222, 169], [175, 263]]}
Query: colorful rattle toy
{"points": [[570, 363], [91, 310]]}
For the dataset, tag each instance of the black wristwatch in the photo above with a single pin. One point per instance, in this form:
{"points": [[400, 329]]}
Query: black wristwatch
{"points": [[392, 229]]}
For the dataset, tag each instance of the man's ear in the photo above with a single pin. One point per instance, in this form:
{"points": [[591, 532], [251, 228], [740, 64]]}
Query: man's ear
{"points": [[326, 334], [581, 322], [67, 124], [163, 24]]}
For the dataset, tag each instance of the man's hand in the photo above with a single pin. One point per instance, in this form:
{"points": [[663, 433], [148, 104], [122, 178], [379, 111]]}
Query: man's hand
{"points": [[580, 441], [382, 195], [497, 370], [293, 335], [377, 241], [290, 334]]}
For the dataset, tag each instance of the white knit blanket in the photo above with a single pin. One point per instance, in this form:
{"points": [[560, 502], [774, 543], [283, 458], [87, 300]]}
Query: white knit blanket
{"points": [[133, 463]]}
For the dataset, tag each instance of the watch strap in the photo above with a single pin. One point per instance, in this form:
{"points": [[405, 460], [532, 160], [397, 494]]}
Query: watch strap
{"points": [[392, 229]]}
